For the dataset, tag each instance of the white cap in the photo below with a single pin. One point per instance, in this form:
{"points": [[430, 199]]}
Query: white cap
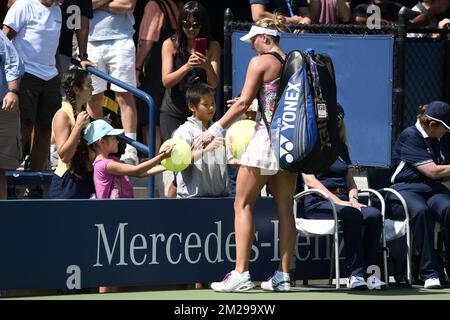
{"points": [[255, 30]]}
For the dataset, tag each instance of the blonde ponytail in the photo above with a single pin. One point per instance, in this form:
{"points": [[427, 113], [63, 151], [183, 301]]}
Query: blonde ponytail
{"points": [[275, 23]]}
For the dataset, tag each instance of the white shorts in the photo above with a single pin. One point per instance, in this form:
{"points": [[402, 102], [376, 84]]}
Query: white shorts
{"points": [[116, 58]]}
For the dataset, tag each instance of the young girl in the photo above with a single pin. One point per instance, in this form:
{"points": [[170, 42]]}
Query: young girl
{"points": [[110, 175], [207, 176], [73, 175]]}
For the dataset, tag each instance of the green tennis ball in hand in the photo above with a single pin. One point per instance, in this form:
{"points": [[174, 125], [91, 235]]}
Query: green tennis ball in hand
{"points": [[181, 155], [238, 136]]}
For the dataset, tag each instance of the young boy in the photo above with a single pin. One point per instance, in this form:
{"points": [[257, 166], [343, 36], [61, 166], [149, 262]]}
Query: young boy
{"points": [[207, 175]]}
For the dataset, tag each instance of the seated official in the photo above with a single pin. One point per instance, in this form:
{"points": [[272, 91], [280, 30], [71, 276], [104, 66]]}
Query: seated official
{"points": [[418, 166], [362, 225]]}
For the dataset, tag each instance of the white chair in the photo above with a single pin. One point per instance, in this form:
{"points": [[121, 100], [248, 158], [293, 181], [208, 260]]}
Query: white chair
{"points": [[394, 229], [378, 178], [372, 192], [316, 227], [319, 227]]}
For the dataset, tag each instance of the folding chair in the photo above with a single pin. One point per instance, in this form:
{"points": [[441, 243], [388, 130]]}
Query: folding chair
{"points": [[316, 227], [378, 178], [319, 227], [377, 194], [394, 229]]}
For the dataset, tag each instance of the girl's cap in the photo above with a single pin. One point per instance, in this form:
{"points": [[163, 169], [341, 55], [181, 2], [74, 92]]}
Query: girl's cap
{"points": [[98, 129]]}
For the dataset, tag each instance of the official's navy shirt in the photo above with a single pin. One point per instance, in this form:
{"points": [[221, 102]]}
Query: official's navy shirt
{"points": [[335, 175], [414, 148]]}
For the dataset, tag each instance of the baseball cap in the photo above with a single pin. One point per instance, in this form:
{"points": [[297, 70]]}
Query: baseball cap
{"points": [[440, 112], [98, 129], [255, 30]]}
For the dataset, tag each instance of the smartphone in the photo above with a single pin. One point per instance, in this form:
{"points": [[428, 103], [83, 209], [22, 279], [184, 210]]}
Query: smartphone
{"points": [[200, 45]]}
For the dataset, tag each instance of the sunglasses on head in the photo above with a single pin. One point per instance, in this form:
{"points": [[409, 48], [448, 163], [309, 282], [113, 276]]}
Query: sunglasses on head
{"points": [[187, 24]]}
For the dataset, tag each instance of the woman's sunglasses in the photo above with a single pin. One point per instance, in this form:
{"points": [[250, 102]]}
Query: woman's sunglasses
{"points": [[187, 24]]}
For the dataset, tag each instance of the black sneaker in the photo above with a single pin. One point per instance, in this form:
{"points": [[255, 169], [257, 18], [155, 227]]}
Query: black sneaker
{"points": [[33, 193]]}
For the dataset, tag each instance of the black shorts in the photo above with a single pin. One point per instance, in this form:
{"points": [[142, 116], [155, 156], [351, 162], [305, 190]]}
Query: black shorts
{"points": [[39, 99], [156, 91], [169, 123]]}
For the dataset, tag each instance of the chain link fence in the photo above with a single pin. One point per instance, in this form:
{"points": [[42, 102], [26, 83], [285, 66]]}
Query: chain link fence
{"points": [[424, 75], [420, 65]]}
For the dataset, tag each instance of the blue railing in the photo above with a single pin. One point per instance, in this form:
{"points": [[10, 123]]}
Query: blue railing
{"points": [[150, 150]]}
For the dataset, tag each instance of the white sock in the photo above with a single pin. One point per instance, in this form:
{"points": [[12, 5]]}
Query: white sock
{"points": [[282, 275], [131, 135], [129, 148], [242, 274]]}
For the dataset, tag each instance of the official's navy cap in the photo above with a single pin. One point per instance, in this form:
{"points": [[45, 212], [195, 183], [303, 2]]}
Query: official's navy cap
{"points": [[439, 111], [340, 112]]}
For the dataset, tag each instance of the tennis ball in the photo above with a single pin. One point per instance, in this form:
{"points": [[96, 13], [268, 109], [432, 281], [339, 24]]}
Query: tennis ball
{"points": [[238, 136], [181, 155]]}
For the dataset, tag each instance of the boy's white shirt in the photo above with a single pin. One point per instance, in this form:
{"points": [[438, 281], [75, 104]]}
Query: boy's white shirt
{"points": [[208, 175]]}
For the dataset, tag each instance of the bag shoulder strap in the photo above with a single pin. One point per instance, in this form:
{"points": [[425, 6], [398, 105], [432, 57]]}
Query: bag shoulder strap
{"points": [[263, 116], [276, 55]]}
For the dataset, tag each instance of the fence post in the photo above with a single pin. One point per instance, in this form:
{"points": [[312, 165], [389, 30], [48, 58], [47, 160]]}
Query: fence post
{"points": [[399, 90], [228, 19], [447, 64]]}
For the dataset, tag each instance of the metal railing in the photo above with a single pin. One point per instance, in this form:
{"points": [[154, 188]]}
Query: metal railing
{"points": [[150, 149]]}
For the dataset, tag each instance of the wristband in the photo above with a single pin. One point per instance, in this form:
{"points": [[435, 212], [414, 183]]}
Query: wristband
{"points": [[216, 129], [83, 56], [15, 91]]}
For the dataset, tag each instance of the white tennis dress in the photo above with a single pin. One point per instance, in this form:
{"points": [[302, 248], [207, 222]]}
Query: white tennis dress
{"points": [[259, 152]]}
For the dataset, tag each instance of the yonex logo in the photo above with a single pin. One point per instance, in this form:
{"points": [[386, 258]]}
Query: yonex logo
{"points": [[286, 147], [290, 108]]}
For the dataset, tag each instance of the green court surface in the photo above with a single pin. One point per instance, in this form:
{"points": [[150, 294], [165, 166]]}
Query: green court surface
{"points": [[415, 293]]}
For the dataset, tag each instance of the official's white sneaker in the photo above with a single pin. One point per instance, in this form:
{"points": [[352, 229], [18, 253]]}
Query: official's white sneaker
{"points": [[374, 283], [432, 283], [234, 282], [356, 283], [278, 282], [130, 156]]}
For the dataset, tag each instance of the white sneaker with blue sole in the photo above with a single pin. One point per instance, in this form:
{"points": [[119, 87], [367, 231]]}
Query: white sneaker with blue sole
{"points": [[278, 283], [356, 283]]}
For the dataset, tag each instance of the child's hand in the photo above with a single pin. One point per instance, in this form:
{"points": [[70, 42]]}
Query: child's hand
{"points": [[231, 102], [217, 142], [167, 151]]}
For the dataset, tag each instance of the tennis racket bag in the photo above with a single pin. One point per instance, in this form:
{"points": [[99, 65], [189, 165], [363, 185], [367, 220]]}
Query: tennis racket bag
{"points": [[304, 130]]}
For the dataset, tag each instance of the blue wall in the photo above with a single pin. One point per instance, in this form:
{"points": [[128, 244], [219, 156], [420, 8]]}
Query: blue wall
{"points": [[363, 66], [157, 241]]}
